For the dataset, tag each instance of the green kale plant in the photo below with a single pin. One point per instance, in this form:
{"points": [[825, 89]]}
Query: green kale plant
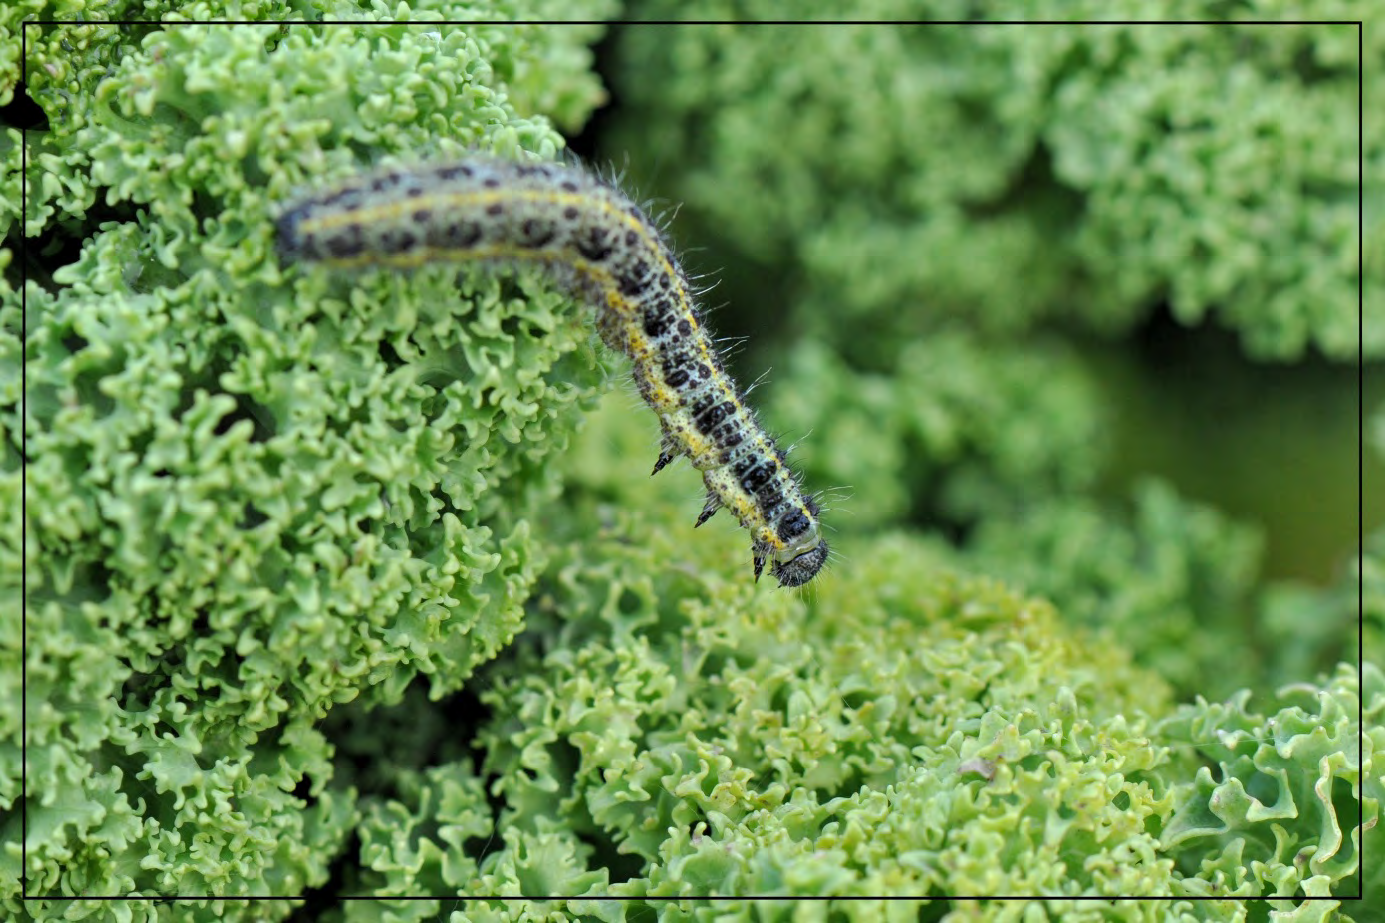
{"points": [[355, 585], [253, 493]]}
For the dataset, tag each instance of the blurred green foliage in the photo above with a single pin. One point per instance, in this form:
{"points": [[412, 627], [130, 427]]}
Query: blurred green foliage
{"points": [[325, 591], [1018, 176]]}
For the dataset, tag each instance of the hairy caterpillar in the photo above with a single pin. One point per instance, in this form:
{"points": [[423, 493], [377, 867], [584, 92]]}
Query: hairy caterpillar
{"points": [[600, 242]]}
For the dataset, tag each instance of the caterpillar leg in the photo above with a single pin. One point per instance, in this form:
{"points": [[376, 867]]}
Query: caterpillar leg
{"points": [[759, 560], [668, 446], [709, 510], [665, 456]]}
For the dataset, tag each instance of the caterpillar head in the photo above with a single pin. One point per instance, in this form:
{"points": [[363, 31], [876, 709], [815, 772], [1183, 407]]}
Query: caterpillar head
{"points": [[803, 551], [801, 568]]}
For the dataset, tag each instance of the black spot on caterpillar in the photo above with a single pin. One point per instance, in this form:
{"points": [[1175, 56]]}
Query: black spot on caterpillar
{"points": [[596, 238]]}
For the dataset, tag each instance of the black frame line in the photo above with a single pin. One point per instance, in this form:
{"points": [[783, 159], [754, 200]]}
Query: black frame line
{"points": [[458, 899]]}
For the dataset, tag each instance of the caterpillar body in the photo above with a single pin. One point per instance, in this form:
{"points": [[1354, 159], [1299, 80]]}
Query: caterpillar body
{"points": [[601, 243]]}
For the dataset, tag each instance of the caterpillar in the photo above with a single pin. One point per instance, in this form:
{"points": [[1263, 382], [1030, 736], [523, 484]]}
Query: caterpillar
{"points": [[594, 239]]}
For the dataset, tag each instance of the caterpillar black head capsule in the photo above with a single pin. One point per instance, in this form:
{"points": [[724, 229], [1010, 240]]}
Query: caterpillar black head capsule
{"points": [[800, 569], [803, 550]]}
